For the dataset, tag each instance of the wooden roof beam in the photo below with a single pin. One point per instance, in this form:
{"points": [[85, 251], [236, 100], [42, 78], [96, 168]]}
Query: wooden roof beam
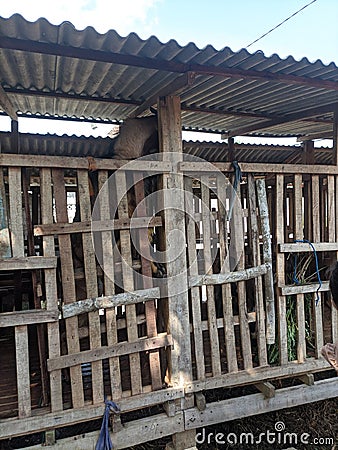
{"points": [[302, 116], [153, 63], [7, 105], [176, 87]]}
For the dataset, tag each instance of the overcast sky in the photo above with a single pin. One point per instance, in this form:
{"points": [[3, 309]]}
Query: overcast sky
{"points": [[312, 33]]}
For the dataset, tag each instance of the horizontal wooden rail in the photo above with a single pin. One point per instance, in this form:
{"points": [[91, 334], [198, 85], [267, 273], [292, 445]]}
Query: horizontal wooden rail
{"points": [[29, 317], [252, 376], [294, 247], [68, 162], [42, 419], [263, 168], [28, 263], [89, 226], [230, 277], [303, 288], [249, 405], [109, 301], [122, 348]]}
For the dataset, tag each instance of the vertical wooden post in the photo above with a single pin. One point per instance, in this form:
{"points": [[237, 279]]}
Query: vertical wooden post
{"points": [[335, 137], [179, 361]]}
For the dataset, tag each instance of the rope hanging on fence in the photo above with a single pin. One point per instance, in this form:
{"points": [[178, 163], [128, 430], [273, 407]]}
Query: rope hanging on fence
{"points": [[104, 442], [238, 179], [295, 279]]}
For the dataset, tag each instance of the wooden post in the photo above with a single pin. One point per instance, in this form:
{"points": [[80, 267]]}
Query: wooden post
{"points": [[335, 137], [179, 361]]}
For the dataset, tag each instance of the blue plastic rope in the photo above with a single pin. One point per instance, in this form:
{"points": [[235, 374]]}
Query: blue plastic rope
{"points": [[104, 442], [238, 179], [295, 279]]}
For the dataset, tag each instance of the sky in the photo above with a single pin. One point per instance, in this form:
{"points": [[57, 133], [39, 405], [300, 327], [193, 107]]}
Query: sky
{"points": [[312, 33]]}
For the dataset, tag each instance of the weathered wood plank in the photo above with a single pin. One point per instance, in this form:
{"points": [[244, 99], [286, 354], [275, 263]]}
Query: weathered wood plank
{"points": [[280, 270], [303, 288], [228, 319], [317, 309], [68, 286], [42, 420], [147, 281], [299, 234], [128, 282], [170, 138], [53, 330], [90, 226], [253, 232], [213, 331], [28, 263], [67, 162], [109, 286], [28, 317], [122, 348], [15, 212], [109, 301], [297, 247], [193, 270], [230, 277], [259, 168], [91, 285], [22, 371], [267, 389], [5, 242], [254, 404], [267, 257]]}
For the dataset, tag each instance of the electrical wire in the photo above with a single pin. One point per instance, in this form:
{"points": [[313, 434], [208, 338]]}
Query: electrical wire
{"points": [[272, 29]]}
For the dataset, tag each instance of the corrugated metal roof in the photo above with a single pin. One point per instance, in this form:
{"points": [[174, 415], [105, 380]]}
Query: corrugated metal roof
{"points": [[77, 73], [54, 145]]}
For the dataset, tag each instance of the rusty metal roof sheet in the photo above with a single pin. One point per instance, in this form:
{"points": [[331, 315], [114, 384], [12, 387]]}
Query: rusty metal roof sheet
{"points": [[58, 70], [54, 145]]}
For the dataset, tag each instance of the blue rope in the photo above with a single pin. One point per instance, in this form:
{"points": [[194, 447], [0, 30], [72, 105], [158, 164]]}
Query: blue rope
{"points": [[104, 442], [237, 180], [295, 279]]}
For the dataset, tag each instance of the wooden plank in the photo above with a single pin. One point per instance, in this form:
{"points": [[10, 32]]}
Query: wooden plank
{"points": [[252, 317], [109, 301], [22, 371], [29, 263], [147, 281], [267, 258], [254, 404], [317, 309], [170, 138], [299, 234], [253, 232], [303, 288], [259, 168], [297, 247], [53, 330], [107, 263], [68, 286], [15, 211], [229, 277], [280, 270], [228, 319], [193, 271], [122, 348], [91, 285], [258, 374], [334, 312], [267, 389], [28, 317], [131, 434], [94, 226], [67, 162], [213, 331], [5, 242], [237, 233], [128, 282]]}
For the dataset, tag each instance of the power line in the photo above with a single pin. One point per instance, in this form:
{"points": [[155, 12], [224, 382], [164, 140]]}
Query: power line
{"points": [[272, 29]]}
